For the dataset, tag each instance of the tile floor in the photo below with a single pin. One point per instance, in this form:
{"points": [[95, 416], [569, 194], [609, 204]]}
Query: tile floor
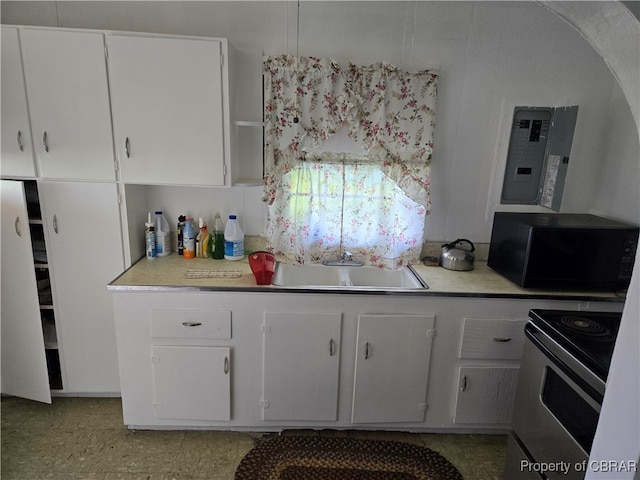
{"points": [[84, 438]]}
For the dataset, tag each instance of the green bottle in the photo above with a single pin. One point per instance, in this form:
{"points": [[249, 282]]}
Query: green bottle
{"points": [[217, 243]]}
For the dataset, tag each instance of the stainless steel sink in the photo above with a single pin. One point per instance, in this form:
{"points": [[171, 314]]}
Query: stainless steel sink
{"points": [[345, 277]]}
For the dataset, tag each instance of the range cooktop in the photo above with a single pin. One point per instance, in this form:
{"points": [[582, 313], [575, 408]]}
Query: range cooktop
{"points": [[588, 336]]}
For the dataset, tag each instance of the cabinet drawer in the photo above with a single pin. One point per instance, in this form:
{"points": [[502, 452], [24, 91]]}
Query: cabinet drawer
{"points": [[492, 338], [190, 323]]}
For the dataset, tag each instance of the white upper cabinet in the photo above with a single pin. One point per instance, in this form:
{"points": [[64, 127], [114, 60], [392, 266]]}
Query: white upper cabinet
{"points": [[17, 150], [68, 96], [170, 109]]}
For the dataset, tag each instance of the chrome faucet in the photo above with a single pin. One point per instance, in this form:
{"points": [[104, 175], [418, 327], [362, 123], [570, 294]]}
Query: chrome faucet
{"points": [[346, 257], [345, 260]]}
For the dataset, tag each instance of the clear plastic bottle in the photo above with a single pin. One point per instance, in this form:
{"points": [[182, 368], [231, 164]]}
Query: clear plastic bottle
{"points": [[217, 242], [189, 239], [150, 238], [163, 240], [233, 240]]}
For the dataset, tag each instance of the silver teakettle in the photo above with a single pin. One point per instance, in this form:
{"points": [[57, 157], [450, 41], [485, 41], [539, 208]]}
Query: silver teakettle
{"points": [[459, 259]]}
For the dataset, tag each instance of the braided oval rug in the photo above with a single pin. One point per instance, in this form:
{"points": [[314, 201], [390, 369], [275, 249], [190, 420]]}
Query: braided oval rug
{"points": [[330, 458]]}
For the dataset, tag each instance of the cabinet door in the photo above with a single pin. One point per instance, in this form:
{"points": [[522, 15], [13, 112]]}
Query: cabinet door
{"points": [[17, 151], [24, 364], [68, 94], [301, 366], [167, 109], [85, 254], [485, 395], [392, 368], [192, 383]]}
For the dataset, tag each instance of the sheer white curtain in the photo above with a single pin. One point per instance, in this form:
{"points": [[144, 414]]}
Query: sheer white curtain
{"points": [[327, 207], [323, 203]]}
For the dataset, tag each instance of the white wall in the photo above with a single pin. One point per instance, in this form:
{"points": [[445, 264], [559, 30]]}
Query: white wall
{"points": [[491, 55], [617, 166]]}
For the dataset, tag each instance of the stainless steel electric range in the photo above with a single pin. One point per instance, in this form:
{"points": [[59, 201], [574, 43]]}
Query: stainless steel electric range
{"points": [[561, 386]]}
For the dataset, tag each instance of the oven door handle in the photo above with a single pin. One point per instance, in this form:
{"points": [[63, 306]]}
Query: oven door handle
{"points": [[530, 331]]}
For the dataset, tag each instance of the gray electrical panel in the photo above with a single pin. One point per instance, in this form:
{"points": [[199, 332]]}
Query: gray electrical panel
{"points": [[538, 155]]}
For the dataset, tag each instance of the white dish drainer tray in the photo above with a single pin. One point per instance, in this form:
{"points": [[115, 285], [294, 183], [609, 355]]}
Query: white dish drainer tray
{"points": [[206, 273]]}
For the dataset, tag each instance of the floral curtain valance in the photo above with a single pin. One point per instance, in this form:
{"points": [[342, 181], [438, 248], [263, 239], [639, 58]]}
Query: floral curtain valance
{"points": [[388, 111]]}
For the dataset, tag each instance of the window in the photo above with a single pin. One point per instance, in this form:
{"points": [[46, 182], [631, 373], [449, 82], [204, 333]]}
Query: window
{"points": [[322, 202], [346, 205]]}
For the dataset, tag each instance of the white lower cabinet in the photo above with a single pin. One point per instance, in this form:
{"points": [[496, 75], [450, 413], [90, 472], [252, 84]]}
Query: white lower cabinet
{"points": [[191, 383], [301, 366], [392, 368], [24, 364], [84, 245], [191, 371], [486, 394], [490, 350], [63, 313], [266, 361]]}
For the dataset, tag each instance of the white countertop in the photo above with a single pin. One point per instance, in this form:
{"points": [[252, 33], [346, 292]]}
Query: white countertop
{"points": [[170, 273]]}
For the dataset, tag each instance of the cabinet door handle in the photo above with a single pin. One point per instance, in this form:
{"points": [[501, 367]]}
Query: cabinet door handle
{"points": [[20, 144], [45, 141], [18, 229], [463, 384], [332, 347], [366, 350], [191, 324], [501, 339], [55, 223], [127, 147], [226, 365]]}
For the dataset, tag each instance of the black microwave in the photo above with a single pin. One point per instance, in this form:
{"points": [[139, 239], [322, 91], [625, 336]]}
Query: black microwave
{"points": [[563, 250]]}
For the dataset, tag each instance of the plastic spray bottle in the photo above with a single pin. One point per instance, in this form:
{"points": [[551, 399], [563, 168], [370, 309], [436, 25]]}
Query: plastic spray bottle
{"points": [[217, 242], [150, 238], [202, 240], [189, 239]]}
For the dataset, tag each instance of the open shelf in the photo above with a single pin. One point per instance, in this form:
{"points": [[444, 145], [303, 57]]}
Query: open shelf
{"points": [[43, 282]]}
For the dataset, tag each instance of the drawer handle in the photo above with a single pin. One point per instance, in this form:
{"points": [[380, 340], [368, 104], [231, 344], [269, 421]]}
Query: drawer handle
{"points": [[192, 324], [366, 350], [127, 147], [463, 385], [18, 228], [332, 347], [20, 144], [45, 141], [54, 223], [226, 365], [501, 339]]}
